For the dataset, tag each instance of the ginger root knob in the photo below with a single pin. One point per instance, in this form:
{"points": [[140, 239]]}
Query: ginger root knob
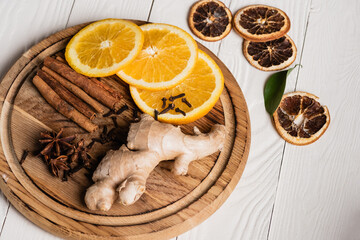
{"points": [[125, 171]]}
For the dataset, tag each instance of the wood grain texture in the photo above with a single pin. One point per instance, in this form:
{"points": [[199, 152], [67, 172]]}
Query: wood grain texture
{"points": [[248, 210], [319, 191], [25, 23], [165, 210], [87, 11]]}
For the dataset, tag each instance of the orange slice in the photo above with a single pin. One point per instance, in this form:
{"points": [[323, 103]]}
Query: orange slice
{"points": [[210, 20], [103, 47], [260, 23], [167, 58], [300, 119], [202, 89], [271, 55]]}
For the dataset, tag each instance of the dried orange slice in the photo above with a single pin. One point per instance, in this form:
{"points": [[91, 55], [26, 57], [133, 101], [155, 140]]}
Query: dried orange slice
{"points": [[210, 20], [300, 119], [167, 58], [201, 89], [272, 55], [103, 47], [260, 23]]}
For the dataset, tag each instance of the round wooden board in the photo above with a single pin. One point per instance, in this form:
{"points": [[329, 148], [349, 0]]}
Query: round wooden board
{"points": [[171, 204]]}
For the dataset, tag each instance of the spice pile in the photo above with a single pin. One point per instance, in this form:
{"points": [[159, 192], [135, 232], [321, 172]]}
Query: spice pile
{"points": [[65, 156], [176, 85], [62, 155], [74, 95]]}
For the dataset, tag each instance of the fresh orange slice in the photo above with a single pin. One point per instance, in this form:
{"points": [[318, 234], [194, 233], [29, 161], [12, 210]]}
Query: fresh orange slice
{"points": [[103, 47], [168, 56], [300, 119], [260, 23], [271, 55], [197, 94]]}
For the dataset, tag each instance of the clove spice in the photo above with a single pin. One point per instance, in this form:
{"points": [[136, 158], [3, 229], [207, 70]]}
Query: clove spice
{"points": [[91, 144], [172, 98], [180, 111], [170, 107], [23, 157], [65, 176], [135, 114], [109, 113], [164, 102], [122, 109], [184, 100], [156, 113], [115, 122]]}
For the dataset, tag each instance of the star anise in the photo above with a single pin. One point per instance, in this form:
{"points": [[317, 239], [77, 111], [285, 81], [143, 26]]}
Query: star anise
{"points": [[54, 140], [58, 164], [79, 156]]}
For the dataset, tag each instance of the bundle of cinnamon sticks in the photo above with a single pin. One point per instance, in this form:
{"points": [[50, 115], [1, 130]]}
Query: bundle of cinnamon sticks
{"points": [[77, 97]]}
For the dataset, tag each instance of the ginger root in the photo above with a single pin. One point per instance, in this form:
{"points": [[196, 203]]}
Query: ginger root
{"points": [[149, 142]]}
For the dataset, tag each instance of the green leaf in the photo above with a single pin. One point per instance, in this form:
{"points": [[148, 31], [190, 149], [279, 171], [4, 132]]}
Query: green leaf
{"points": [[274, 89]]}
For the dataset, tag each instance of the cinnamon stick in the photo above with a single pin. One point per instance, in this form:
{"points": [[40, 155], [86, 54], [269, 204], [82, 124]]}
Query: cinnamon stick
{"points": [[61, 59], [62, 106], [114, 93], [83, 82], [76, 90], [66, 95], [60, 54]]}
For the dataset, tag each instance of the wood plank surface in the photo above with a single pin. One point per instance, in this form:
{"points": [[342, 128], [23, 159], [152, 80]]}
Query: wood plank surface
{"points": [[92, 10], [25, 23], [319, 194], [248, 210]]}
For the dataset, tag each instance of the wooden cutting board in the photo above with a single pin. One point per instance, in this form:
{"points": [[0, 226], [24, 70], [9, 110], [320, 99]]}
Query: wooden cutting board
{"points": [[171, 204]]}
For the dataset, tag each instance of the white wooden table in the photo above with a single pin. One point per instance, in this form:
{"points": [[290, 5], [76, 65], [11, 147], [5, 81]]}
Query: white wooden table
{"points": [[286, 191]]}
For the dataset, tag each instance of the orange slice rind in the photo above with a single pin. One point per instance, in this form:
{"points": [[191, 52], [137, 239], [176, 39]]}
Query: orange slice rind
{"points": [[202, 89], [104, 47], [168, 56], [300, 119], [271, 55], [261, 23]]}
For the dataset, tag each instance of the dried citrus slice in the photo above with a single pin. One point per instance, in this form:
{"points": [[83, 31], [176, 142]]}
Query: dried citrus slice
{"points": [[210, 20], [272, 55], [300, 119], [103, 47], [167, 58], [260, 23], [202, 89]]}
